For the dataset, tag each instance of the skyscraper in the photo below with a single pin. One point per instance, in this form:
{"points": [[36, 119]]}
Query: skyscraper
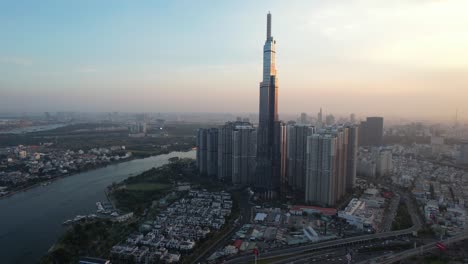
{"points": [[296, 155], [371, 132], [321, 169], [244, 148], [269, 127], [225, 152], [202, 151], [320, 119], [331, 169], [236, 152], [212, 152], [351, 165], [207, 151]]}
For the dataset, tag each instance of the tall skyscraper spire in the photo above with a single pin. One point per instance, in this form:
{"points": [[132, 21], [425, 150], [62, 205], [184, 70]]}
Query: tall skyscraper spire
{"points": [[269, 25], [269, 139]]}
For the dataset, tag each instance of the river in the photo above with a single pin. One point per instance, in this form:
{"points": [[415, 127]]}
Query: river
{"points": [[31, 221]]}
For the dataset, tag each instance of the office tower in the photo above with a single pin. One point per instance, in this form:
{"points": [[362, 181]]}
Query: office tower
{"points": [[320, 119], [296, 155], [244, 148], [202, 151], [371, 132], [328, 165], [212, 152], [351, 166], [269, 127]]}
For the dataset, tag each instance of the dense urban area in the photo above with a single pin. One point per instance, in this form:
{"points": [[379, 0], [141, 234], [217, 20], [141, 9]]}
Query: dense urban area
{"points": [[246, 188]]}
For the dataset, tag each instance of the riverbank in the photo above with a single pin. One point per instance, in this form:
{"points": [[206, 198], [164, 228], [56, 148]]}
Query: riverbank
{"points": [[49, 180], [32, 220], [145, 195]]}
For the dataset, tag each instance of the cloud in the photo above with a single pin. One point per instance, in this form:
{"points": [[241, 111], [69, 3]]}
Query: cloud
{"points": [[16, 61]]}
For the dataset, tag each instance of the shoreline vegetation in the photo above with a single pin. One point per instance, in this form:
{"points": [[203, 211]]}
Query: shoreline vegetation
{"points": [[144, 195], [136, 154]]}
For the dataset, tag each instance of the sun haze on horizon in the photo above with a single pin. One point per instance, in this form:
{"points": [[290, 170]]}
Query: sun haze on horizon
{"points": [[398, 58]]}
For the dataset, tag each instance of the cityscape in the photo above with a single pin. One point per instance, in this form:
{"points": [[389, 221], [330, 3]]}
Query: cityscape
{"points": [[181, 180]]}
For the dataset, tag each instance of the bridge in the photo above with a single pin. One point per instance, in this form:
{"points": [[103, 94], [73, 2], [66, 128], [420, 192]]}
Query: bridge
{"points": [[415, 251]]}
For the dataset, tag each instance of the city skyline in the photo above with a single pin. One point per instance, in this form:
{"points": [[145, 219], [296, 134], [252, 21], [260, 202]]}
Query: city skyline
{"points": [[134, 58]]}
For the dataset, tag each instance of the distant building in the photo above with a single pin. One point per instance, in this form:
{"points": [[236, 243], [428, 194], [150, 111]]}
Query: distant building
{"points": [[463, 157], [320, 119], [383, 161], [352, 118], [304, 119], [375, 162], [202, 151], [371, 132], [330, 120]]}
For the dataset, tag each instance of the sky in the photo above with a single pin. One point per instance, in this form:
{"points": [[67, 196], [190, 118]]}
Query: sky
{"points": [[403, 58]]}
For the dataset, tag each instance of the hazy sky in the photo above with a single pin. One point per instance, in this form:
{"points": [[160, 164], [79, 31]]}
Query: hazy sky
{"points": [[379, 57]]}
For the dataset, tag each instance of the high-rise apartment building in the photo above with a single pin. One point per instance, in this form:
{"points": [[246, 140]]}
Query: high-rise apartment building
{"points": [[202, 151], [321, 169], [330, 171], [236, 152], [207, 151], [296, 155], [212, 152], [244, 150], [225, 152], [351, 166]]}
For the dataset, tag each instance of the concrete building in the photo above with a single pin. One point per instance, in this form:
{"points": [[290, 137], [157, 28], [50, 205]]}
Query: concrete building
{"points": [[351, 163], [383, 162], [244, 148], [207, 151], [328, 165], [321, 172], [371, 132], [212, 152], [296, 155], [283, 153], [202, 151]]}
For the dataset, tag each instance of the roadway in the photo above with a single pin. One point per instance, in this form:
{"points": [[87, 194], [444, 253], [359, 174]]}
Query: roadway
{"points": [[293, 252], [415, 251], [244, 218]]}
